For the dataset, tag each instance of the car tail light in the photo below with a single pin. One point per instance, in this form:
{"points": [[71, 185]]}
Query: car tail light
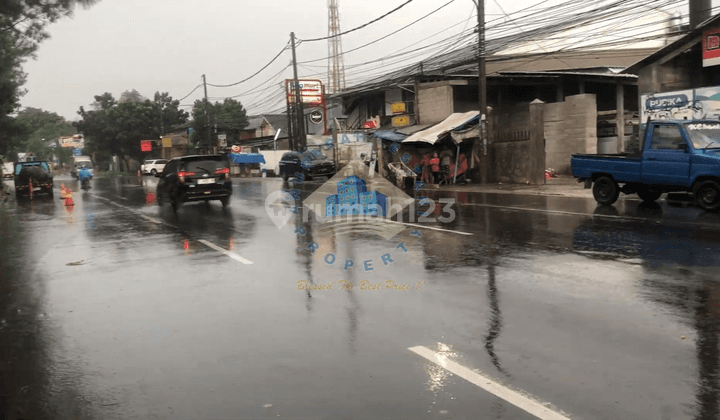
{"points": [[225, 171], [182, 175]]}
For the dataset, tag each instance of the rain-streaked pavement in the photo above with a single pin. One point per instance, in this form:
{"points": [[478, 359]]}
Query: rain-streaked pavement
{"points": [[119, 309]]}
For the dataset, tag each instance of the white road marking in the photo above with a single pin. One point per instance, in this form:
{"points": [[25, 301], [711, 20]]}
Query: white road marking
{"points": [[431, 228], [120, 196], [515, 398], [225, 251]]}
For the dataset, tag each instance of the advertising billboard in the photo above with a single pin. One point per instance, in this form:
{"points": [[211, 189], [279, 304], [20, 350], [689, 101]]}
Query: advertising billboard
{"points": [[311, 91], [691, 104], [146, 145], [76, 141]]}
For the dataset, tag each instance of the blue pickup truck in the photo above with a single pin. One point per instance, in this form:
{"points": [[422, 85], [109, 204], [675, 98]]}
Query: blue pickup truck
{"points": [[674, 156]]}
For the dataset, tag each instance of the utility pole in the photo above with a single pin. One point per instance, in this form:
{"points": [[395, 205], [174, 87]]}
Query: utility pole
{"points": [[207, 114], [291, 132], [482, 88], [300, 128]]}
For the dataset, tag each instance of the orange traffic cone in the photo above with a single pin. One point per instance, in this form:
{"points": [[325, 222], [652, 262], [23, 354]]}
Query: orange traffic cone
{"points": [[69, 200]]}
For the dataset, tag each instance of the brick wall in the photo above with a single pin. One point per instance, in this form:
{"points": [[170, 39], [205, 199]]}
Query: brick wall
{"points": [[570, 127], [435, 103]]}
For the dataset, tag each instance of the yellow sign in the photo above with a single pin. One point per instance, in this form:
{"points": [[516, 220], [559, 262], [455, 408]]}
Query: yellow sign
{"points": [[401, 121], [398, 107], [167, 141]]}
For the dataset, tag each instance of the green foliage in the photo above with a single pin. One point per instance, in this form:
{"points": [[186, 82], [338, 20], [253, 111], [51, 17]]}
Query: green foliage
{"points": [[116, 128], [131, 96], [22, 29], [229, 117]]}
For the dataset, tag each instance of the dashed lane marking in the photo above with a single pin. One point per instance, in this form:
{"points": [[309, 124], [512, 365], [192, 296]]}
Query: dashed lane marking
{"points": [[154, 220], [225, 251], [515, 398]]}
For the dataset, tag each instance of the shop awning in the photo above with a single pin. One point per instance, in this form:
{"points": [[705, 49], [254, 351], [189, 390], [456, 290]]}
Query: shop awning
{"points": [[436, 132], [243, 158]]}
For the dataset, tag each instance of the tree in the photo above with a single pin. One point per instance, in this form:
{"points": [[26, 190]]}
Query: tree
{"points": [[131, 96], [22, 29], [40, 127], [171, 116], [116, 128], [228, 117]]}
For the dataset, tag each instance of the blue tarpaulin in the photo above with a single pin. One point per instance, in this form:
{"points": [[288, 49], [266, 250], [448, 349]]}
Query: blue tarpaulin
{"points": [[243, 158], [390, 135]]}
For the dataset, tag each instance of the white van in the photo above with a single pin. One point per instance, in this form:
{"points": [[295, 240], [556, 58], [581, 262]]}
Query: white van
{"points": [[78, 162]]}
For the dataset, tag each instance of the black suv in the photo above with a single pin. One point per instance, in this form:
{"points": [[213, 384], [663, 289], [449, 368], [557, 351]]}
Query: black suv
{"points": [[310, 163], [195, 178], [32, 178]]}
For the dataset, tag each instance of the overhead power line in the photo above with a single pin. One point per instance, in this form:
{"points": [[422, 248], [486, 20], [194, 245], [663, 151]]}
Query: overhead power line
{"points": [[381, 38], [191, 92], [256, 73], [359, 27]]}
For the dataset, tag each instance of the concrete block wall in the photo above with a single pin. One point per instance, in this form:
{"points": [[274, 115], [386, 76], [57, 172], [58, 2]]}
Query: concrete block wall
{"points": [[570, 127], [435, 103]]}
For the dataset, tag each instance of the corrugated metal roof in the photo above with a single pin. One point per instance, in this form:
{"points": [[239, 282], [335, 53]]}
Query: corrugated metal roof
{"points": [[413, 128], [433, 134], [565, 73]]}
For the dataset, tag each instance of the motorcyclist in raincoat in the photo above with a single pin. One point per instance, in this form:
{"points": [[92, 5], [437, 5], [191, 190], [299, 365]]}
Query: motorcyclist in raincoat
{"points": [[85, 175]]}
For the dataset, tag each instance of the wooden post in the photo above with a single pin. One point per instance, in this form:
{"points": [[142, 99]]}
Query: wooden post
{"points": [[380, 158], [416, 99], [335, 145], [620, 117]]}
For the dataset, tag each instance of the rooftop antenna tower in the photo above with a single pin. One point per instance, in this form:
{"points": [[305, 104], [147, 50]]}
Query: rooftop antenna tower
{"points": [[336, 65]]}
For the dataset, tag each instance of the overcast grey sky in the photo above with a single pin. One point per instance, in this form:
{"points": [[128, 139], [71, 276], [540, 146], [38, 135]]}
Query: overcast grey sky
{"points": [[166, 45]]}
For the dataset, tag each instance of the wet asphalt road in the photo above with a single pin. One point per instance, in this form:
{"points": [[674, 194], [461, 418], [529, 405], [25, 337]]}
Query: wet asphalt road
{"points": [[115, 308]]}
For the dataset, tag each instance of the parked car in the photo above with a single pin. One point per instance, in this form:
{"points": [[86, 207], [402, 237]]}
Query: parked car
{"points": [[676, 156], [31, 178], [153, 166], [194, 178], [309, 163]]}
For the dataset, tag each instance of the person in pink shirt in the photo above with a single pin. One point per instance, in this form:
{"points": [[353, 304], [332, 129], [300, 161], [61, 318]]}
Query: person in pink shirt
{"points": [[435, 166]]}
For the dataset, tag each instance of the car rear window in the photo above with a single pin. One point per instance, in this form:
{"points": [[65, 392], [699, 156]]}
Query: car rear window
{"points": [[202, 166]]}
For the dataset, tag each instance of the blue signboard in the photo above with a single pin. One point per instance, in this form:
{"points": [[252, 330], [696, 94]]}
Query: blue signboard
{"points": [[77, 152]]}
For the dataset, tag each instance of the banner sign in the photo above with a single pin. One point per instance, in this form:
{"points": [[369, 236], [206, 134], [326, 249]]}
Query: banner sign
{"points": [[146, 145], [691, 104], [167, 141], [398, 108], [711, 47]]}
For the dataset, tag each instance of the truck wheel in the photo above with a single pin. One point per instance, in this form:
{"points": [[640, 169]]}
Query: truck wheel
{"points": [[606, 191], [707, 195], [649, 195]]}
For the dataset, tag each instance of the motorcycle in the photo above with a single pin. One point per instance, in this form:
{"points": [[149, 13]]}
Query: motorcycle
{"points": [[85, 175]]}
